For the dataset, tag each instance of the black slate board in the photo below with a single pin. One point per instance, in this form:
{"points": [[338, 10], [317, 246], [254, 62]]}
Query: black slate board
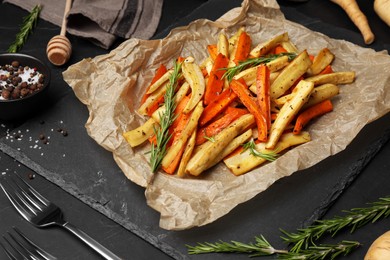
{"points": [[91, 175]]}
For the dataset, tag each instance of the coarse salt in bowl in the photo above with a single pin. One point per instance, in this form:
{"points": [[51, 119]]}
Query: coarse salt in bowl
{"points": [[24, 81]]}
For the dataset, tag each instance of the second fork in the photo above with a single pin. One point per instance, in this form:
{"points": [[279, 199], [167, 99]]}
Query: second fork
{"points": [[42, 213], [21, 247]]}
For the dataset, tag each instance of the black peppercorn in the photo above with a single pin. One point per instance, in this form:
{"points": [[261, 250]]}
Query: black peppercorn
{"points": [[15, 64], [19, 81]]}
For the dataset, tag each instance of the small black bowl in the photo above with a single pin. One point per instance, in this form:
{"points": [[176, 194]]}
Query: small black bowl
{"points": [[21, 108]]}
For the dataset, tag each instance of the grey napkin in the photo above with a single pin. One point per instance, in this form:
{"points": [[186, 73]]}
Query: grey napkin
{"points": [[102, 21]]}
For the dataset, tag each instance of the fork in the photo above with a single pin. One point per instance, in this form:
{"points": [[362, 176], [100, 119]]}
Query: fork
{"points": [[42, 213], [21, 247]]}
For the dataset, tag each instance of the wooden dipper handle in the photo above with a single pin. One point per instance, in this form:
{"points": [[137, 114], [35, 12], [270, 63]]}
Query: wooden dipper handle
{"points": [[59, 47]]}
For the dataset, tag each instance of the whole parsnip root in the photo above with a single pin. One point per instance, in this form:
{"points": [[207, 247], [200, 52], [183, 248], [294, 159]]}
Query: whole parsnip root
{"points": [[380, 248], [382, 8], [358, 18]]}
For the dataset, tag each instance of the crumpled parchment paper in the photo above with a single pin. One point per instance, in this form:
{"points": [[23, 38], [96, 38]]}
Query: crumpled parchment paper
{"points": [[111, 86]]}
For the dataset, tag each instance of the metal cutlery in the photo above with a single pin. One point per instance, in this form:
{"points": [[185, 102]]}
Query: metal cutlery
{"points": [[18, 246], [42, 213]]}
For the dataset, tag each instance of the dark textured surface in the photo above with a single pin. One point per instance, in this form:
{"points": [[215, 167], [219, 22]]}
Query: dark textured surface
{"points": [[87, 172]]}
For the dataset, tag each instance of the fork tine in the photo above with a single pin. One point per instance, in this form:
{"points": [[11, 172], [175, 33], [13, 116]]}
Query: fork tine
{"points": [[22, 248], [34, 247], [19, 204], [31, 191], [18, 247], [28, 199], [8, 253]]}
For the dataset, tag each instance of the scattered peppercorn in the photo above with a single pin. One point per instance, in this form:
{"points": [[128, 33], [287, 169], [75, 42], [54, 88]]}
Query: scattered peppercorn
{"points": [[62, 131]]}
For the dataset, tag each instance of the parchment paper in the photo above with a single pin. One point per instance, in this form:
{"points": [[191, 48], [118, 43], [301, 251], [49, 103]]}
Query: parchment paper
{"points": [[111, 86]]}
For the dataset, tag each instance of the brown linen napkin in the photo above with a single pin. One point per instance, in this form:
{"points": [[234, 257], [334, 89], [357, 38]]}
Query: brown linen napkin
{"points": [[102, 21]]}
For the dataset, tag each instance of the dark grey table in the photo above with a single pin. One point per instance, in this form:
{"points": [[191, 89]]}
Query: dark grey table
{"points": [[349, 179]]}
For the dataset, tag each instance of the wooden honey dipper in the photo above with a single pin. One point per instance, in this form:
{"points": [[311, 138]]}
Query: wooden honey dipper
{"points": [[59, 48]]}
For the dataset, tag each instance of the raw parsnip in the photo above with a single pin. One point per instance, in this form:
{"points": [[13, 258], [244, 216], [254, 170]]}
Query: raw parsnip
{"points": [[358, 18], [380, 248], [382, 8]]}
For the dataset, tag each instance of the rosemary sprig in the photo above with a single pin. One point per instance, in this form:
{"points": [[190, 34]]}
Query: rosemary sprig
{"points": [[26, 28], [158, 151], [322, 251], [354, 218], [260, 248], [230, 72], [263, 248], [303, 246], [269, 156]]}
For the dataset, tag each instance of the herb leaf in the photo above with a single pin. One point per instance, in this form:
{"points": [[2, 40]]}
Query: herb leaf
{"points": [[163, 136], [230, 72], [303, 242], [28, 25], [263, 248], [317, 252], [355, 218], [209, 138], [260, 248], [269, 156]]}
